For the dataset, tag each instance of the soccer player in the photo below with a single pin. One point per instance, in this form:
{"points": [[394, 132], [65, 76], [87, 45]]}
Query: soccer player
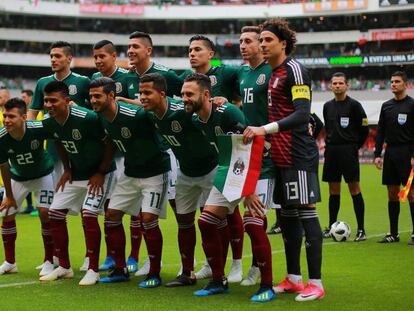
{"points": [[143, 185], [197, 165], [396, 129], [224, 84], [346, 127], [25, 167], [4, 97], [295, 156], [104, 54], [87, 179], [27, 95]]}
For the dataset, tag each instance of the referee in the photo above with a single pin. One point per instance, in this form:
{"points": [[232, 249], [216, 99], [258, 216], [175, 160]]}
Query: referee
{"points": [[396, 128], [346, 127]]}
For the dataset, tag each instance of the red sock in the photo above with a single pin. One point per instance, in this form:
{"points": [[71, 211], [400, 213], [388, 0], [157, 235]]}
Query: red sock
{"points": [[235, 223], [187, 243], [154, 245], [47, 241], [93, 238], [108, 251], [212, 245], [224, 233], [136, 236], [9, 234], [260, 247], [60, 235], [84, 234], [115, 235]]}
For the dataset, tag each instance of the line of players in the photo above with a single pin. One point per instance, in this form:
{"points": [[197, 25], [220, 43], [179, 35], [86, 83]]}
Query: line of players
{"points": [[85, 141]]}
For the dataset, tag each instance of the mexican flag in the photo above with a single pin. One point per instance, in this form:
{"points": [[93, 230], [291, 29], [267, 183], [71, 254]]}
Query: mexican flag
{"points": [[239, 166]]}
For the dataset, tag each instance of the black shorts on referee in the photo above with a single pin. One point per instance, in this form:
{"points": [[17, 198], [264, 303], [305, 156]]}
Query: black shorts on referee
{"points": [[341, 160], [397, 164], [296, 187]]}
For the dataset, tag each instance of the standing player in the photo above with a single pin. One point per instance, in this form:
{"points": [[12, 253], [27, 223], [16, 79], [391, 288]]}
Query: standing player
{"points": [[197, 159], [104, 55], [295, 155], [396, 129], [143, 185], [224, 83], [25, 167], [86, 181], [346, 127], [4, 97]]}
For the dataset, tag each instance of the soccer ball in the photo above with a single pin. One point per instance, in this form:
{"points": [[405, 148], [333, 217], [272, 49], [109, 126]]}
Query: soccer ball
{"points": [[340, 231]]}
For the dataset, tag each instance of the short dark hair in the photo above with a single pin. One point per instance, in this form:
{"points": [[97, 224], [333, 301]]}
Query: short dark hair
{"points": [[57, 87], [202, 80], [280, 27], [206, 41], [27, 91], [339, 75], [159, 82], [108, 85], [108, 45], [401, 74], [255, 29], [141, 35], [66, 46], [16, 102]]}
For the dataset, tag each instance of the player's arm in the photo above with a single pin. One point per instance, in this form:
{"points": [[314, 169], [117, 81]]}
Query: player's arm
{"points": [[8, 200], [363, 128], [379, 140], [36, 104], [174, 84], [135, 102], [316, 124], [235, 121]]}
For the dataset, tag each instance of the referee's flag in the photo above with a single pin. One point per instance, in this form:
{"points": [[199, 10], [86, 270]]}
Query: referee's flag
{"points": [[402, 195]]}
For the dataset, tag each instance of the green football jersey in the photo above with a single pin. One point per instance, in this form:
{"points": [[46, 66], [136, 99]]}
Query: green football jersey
{"points": [[174, 82], [253, 90], [134, 135], [78, 90], [120, 76], [196, 156], [225, 120], [82, 136], [27, 157]]}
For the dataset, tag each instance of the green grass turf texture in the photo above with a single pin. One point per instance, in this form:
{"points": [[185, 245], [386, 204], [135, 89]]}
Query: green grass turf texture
{"points": [[356, 276]]}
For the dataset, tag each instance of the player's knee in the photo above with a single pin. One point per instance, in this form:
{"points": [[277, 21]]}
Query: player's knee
{"points": [[113, 215], [148, 217], [9, 218], [43, 214]]}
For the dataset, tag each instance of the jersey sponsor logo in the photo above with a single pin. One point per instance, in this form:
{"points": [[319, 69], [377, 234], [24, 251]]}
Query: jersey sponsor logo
{"points": [[300, 91], [238, 167], [125, 132], [274, 85], [365, 122], [344, 121], [261, 79], [118, 87], [76, 135], [176, 126], [73, 89], [402, 118], [218, 131], [213, 80], [34, 144]]}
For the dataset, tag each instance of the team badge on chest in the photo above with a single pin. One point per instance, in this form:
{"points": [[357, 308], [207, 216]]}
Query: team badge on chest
{"points": [[213, 80], [125, 132], [34, 144], [261, 79], [344, 122], [218, 131], [118, 87], [72, 89], [402, 118], [76, 135], [176, 126]]}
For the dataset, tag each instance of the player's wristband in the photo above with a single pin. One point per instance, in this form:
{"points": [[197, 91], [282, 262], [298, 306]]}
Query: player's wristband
{"points": [[271, 128]]}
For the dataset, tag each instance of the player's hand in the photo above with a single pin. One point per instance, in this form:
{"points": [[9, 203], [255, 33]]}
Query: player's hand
{"points": [[252, 131], [218, 101], [412, 162], [6, 204], [66, 177], [254, 205], [131, 68], [96, 183], [379, 162], [72, 103]]}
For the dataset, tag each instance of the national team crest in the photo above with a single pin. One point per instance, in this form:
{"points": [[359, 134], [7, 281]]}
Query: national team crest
{"points": [[176, 126], [344, 122], [261, 79], [213, 80], [34, 144], [76, 135], [238, 167], [118, 87], [218, 131], [125, 132], [72, 89], [402, 118]]}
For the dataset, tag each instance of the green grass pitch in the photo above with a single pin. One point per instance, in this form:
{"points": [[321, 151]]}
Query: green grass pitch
{"points": [[356, 276]]}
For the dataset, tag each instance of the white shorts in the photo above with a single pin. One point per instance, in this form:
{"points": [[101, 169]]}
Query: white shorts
{"points": [[41, 187], [192, 192], [216, 198], [132, 195], [75, 196], [173, 175], [120, 167], [57, 172]]}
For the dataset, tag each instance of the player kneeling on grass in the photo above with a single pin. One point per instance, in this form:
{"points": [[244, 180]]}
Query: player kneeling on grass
{"points": [[25, 167]]}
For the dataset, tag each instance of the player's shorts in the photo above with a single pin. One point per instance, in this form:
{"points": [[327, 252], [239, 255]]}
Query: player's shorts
{"points": [[192, 192], [133, 195], [341, 160], [57, 171], [120, 167], [216, 198], [296, 187], [397, 164], [75, 196], [41, 187], [173, 175]]}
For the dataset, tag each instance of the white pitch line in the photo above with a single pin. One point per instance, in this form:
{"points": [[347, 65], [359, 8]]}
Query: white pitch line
{"points": [[18, 284]]}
